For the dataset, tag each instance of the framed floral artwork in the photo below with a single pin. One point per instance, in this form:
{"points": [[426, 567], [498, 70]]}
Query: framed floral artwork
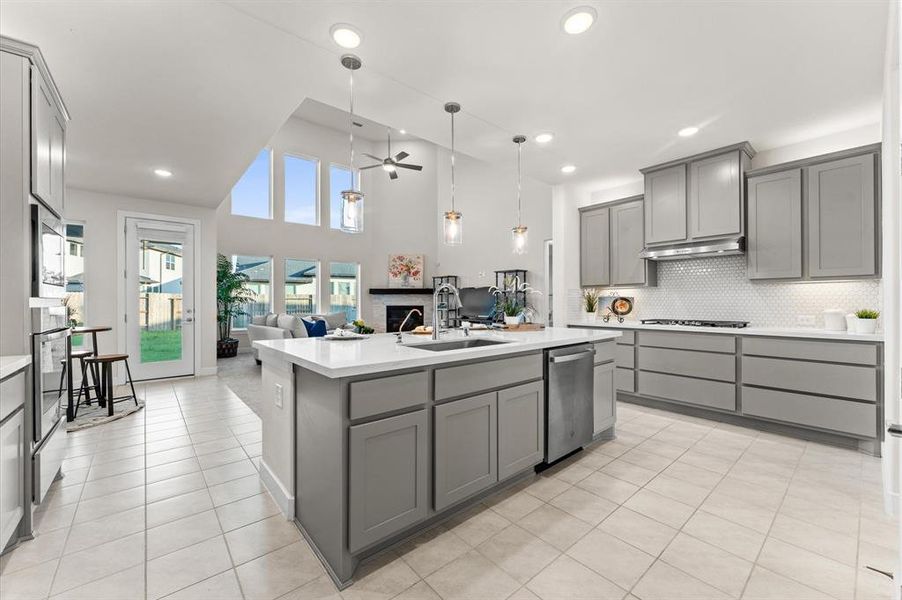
{"points": [[405, 271]]}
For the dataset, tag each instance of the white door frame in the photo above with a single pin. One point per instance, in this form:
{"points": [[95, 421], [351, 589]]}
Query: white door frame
{"points": [[121, 334]]}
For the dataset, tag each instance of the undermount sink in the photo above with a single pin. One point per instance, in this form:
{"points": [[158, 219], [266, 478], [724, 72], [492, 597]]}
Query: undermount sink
{"points": [[456, 344]]}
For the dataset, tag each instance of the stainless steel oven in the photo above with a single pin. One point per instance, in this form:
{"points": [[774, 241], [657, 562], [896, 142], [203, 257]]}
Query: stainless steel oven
{"points": [[50, 348], [48, 256]]}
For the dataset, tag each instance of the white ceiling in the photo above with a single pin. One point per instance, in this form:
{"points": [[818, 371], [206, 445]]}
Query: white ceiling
{"points": [[198, 87]]}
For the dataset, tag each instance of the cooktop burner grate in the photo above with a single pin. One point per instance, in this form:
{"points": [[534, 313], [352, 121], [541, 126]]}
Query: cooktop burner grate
{"points": [[696, 323]]}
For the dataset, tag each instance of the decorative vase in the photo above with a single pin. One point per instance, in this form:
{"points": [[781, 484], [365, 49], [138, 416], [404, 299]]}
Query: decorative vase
{"points": [[851, 323], [866, 326], [511, 320], [591, 315], [227, 348]]}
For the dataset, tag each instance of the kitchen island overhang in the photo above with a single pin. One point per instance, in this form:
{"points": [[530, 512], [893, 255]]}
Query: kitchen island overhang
{"points": [[368, 442]]}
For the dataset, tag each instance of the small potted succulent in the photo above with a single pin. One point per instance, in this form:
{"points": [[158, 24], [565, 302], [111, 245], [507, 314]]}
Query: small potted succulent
{"points": [[867, 320], [590, 301], [512, 301], [512, 310]]}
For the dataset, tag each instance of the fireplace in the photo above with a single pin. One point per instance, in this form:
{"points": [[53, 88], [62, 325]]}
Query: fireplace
{"points": [[395, 314]]}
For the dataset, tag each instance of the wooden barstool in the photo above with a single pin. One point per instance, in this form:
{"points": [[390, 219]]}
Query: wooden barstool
{"points": [[106, 362], [80, 356]]}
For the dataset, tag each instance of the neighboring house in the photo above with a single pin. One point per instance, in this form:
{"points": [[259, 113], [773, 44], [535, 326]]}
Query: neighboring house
{"points": [[161, 268]]}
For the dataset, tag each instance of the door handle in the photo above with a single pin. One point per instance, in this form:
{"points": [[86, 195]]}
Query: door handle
{"points": [[189, 319], [895, 430], [572, 357]]}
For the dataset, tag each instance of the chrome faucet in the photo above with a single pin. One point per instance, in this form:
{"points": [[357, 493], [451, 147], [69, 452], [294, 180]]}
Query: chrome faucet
{"points": [[404, 322], [441, 288]]}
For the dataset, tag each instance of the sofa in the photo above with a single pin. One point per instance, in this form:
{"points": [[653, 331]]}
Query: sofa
{"points": [[284, 326]]}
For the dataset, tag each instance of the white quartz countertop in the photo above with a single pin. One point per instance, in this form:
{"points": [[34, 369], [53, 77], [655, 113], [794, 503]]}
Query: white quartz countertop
{"points": [[11, 364], [796, 332], [380, 352]]}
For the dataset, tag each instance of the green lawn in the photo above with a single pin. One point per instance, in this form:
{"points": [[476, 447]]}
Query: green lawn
{"points": [[158, 346]]}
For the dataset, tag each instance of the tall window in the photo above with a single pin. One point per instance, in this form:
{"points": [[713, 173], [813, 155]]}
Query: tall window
{"points": [[169, 262], [339, 180], [343, 295], [301, 190], [300, 286], [259, 272], [75, 278], [252, 195]]}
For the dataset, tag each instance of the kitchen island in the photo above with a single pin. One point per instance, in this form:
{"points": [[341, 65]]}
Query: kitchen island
{"points": [[368, 441]]}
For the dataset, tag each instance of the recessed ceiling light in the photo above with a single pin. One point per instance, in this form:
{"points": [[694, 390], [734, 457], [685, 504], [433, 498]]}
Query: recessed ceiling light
{"points": [[687, 131], [162, 173], [544, 137], [568, 168], [579, 20], [346, 36]]}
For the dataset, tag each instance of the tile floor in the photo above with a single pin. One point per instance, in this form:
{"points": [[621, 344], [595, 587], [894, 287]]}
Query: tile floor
{"points": [[167, 503]]}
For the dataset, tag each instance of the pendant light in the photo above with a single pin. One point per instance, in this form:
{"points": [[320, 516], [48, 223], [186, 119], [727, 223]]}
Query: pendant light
{"points": [[519, 233], [452, 228], [352, 199]]}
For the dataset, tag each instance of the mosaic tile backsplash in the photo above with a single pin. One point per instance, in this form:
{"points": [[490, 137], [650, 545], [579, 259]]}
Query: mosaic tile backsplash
{"points": [[717, 288]]}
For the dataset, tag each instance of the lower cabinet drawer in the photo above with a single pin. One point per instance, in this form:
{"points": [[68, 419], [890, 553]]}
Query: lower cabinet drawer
{"points": [[711, 394], [842, 352], [708, 342], [387, 394], [628, 337], [817, 378], [855, 418], [689, 363], [626, 356], [605, 352], [12, 394], [625, 380], [491, 374]]}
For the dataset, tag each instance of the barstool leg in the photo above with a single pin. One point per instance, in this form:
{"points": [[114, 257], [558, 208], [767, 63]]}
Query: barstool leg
{"points": [[107, 374], [130, 383], [59, 389]]}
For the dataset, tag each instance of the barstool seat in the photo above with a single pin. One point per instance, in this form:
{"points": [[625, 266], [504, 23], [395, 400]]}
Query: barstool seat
{"points": [[106, 362]]}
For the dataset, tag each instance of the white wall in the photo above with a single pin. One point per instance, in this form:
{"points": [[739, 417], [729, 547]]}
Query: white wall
{"points": [[99, 213]]}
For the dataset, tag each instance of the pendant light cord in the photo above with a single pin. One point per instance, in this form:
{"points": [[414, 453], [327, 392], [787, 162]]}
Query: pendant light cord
{"points": [[452, 162], [519, 152], [351, 129]]}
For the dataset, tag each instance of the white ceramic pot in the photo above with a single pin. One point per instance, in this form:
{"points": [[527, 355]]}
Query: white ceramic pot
{"points": [[834, 320], [866, 326], [511, 320], [851, 323]]}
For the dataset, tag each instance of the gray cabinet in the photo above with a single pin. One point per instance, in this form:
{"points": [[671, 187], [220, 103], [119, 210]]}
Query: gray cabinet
{"points": [[603, 406], [12, 474], [466, 446], [775, 225], [521, 428], [387, 477], [48, 139], [715, 196], [842, 210], [627, 241], [665, 205], [594, 247]]}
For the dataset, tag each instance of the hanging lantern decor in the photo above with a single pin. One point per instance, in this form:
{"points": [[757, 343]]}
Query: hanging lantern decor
{"points": [[352, 199], [519, 234], [453, 232]]}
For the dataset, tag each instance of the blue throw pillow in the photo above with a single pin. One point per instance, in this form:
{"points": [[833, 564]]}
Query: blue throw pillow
{"points": [[315, 328]]}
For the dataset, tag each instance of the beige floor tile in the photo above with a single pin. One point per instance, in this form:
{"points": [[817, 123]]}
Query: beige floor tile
{"points": [[477, 524], [519, 553], [167, 456], [95, 508], [610, 488], [567, 579], [124, 585], [523, 593], [51, 519], [262, 537], [472, 577], [219, 587], [545, 487], [817, 539], [584, 505], [714, 566], [381, 578], [175, 486], [876, 556], [878, 531], [642, 532], [732, 537], [513, 504], [110, 485], [179, 569], [739, 511], [611, 558], [663, 582], [873, 586], [767, 585], [418, 591], [554, 526], [182, 533], [320, 588], [570, 471], [223, 457], [97, 562], [168, 444], [246, 511], [116, 467], [30, 553], [212, 446], [692, 474], [177, 507], [277, 573], [172, 469], [653, 462], [106, 529], [766, 497], [236, 489], [660, 508], [628, 471], [813, 570], [703, 460], [593, 460], [661, 448], [431, 550], [32, 583], [817, 513], [680, 490]]}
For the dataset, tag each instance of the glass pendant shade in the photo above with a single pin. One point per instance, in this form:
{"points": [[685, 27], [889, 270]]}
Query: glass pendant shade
{"points": [[519, 239], [453, 229], [352, 211]]}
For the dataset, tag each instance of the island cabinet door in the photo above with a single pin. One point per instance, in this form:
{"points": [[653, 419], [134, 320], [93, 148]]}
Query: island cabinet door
{"points": [[603, 409], [521, 428], [387, 485], [466, 448]]}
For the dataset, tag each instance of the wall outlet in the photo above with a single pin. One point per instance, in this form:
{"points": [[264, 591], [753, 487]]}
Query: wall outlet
{"points": [[277, 397], [805, 320]]}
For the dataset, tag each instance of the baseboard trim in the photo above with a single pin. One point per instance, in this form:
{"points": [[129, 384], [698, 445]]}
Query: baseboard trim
{"points": [[284, 499], [206, 372]]}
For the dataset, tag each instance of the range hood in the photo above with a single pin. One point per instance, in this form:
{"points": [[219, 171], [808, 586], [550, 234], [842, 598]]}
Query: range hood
{"points": [[699, 249]]}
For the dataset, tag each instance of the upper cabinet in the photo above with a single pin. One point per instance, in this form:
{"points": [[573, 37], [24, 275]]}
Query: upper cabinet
{"points": [[816, 218], [48, 144], [611, 237], [697, 198]]}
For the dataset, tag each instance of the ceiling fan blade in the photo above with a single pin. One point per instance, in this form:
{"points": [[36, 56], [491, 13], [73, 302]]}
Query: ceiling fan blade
{"points": [[379, 158], [412, 167], [401, 156], [393, 175], [369, 167]]}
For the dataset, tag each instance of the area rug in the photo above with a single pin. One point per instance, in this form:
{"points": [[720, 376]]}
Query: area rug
{"points": [[93, 415]]}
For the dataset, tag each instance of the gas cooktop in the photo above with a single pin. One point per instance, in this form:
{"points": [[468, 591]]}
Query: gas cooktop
{"points": [[696, 323]]}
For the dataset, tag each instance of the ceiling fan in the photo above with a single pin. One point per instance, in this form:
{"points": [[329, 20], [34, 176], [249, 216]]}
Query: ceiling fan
{"points": [[390, 163]]}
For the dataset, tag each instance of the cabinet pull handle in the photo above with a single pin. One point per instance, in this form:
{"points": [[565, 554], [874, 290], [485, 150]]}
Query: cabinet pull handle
{"points": [[572, 357]]}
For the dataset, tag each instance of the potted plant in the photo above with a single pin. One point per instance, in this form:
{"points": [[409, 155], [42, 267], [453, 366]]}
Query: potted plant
{"points": [[231, 294], [512, 310], [867, 320], [508, 303], [590, 301]]}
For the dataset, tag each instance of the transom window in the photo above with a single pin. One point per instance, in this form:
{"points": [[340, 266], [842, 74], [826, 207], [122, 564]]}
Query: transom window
{"points": [[252, 195], [301, 189]]}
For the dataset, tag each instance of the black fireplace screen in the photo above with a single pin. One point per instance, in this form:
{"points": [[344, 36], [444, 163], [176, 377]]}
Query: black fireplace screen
{"points": [[395, 314]]}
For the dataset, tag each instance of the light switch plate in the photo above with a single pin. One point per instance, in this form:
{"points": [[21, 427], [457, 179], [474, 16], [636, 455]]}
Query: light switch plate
{"points": [[278, 395]]}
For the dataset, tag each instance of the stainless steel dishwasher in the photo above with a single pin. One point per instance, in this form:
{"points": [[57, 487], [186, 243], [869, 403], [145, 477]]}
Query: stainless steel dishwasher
{"points": [[569, 390]]}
